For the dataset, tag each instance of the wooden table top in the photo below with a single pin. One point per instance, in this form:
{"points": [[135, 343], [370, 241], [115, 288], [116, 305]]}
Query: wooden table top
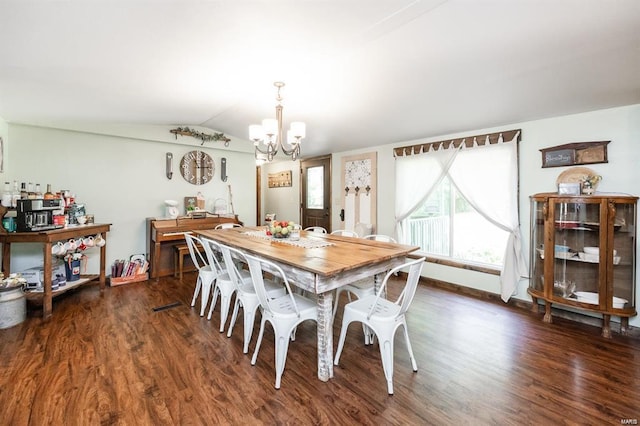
{"points": [[344, 253]]}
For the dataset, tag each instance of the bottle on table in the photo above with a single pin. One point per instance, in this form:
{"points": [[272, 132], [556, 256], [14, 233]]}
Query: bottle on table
{"points": [[30, 192], [38, 191], [24, 194], [49, 195]]}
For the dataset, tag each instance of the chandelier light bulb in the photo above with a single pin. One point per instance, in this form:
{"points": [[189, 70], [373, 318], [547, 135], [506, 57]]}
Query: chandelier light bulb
{"points": [[270, 126], [256, 134], [298, 129]]}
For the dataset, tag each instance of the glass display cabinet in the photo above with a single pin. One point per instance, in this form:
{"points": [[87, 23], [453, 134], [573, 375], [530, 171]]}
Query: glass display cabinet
{"points": [[583, 255]]}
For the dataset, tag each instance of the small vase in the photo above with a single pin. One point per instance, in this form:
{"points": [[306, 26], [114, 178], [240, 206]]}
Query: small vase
{"points": [[588, 190]]}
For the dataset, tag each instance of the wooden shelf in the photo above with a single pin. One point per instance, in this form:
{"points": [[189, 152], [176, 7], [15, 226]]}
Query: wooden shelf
{"points": [[38, 296]]}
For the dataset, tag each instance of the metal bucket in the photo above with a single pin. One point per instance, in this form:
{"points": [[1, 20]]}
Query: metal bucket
{"points": [[13, 307]]}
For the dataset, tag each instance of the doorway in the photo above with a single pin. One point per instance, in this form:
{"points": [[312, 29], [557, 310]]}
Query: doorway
{"points": [[315, 192]]}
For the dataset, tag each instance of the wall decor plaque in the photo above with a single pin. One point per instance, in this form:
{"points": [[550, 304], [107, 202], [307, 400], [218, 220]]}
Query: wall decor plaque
{"points": [[576, 153]]}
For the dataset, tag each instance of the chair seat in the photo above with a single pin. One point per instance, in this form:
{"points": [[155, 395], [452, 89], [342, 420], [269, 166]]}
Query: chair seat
{"points": [[284, 307], [384, 310], [273, 289]]}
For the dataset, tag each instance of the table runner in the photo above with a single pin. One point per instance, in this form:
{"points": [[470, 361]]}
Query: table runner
{"points": [[303, 242]]}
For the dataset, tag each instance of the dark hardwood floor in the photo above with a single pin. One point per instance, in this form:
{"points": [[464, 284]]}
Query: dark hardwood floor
{"points": [[109, 359]]}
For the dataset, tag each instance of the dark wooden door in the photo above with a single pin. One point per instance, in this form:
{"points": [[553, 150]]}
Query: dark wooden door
{"points": [[315, 197]]}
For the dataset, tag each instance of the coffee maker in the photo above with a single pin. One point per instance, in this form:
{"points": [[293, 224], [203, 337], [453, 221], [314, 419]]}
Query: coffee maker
{"points": [[37, 215]]}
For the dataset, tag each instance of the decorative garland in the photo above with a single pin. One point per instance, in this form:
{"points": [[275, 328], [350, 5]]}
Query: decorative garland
{"points": [[204, 137]]}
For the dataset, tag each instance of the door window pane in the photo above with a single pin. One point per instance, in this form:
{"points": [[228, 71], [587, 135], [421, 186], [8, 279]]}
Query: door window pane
{"points": [[315, 187]]}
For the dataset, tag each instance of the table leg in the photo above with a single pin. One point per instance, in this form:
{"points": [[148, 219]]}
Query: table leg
{"points": [[6, 259], [325, 336], [47, 302], [103, 263]]}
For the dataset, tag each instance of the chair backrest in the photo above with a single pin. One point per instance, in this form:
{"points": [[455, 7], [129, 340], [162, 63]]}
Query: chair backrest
{"points": [[228, 254], [380, 237], [256, 267], [318, 229], [345, 233], [196, 255], [363, 228], [228, 225], [214, 253], [409, 291]]}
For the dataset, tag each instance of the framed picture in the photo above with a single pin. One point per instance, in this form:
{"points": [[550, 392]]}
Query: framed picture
{"points": [[280, 179]]}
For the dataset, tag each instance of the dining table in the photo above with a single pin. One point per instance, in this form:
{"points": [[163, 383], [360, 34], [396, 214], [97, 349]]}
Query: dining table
{"points": [[319, 264]]}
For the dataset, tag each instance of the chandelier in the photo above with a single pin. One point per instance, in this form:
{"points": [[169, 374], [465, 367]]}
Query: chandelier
{"points": [[267, 138]]}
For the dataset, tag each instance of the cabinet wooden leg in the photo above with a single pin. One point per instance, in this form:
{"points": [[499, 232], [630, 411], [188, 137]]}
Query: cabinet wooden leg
{"points": [[606, 326], [624, 325], [547, 313], [534, 305]]}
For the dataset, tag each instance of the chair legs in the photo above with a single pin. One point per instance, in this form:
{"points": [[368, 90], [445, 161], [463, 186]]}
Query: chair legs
{"points": [[225, 304], [196, 292], [204, 285], [249, 314], [386, 348], [282, 338]]}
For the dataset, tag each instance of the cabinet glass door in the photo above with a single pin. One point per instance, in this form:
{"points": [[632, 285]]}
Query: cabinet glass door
{"points": [[623, 256], [537, 241], [577, 236]]}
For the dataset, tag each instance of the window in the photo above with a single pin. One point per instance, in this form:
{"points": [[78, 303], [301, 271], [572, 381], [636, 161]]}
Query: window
{"points": [[315, 187], [447, 225], [465, 190]]}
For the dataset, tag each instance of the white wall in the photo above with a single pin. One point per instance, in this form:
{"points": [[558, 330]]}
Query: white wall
{"points": [[120, 180], [619, 125], [283, 201], [4, 133]]}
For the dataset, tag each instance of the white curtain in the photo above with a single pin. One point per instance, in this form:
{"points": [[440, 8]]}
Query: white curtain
{"points": [[487, 177], [416, 177]]}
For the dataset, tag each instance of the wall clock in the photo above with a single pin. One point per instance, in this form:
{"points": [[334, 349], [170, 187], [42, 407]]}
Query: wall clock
{"points": [[197, 167]]}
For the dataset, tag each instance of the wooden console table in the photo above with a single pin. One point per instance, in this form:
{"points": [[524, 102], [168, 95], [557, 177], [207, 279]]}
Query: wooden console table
{"points": [[48, 238]]}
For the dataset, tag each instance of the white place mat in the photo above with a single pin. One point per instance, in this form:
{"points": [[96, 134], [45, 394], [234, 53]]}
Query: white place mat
{"points": [[302, 242]]}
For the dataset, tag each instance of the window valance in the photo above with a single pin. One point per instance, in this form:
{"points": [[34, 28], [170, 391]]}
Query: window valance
{"points": [[469, 141]]}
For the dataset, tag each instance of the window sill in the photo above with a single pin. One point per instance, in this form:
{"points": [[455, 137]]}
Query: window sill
{"points": [[458, 264]]}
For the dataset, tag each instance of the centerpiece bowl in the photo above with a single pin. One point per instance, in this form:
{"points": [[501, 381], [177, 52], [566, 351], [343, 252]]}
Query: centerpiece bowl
{"points": [[281, 229]]}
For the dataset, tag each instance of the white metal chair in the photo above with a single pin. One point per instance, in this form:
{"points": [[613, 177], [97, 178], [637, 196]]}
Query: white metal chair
{"points": [[361, 288], [345, 233], [206, 274], [284, 313], [246, 296], [224, 286], [380, 237], [384, 317], [227, 225], [318, 229]]}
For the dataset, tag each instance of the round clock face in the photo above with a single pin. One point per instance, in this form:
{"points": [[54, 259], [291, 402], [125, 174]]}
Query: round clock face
{"points": [[197, 167]]}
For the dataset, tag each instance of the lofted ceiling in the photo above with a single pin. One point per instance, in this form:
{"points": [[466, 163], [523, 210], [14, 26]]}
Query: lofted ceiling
{"points": [[359, 73]]}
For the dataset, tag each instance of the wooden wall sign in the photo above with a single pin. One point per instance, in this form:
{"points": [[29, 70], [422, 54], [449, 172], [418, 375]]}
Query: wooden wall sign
{"points": [[572, 154], [280, 179]]}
